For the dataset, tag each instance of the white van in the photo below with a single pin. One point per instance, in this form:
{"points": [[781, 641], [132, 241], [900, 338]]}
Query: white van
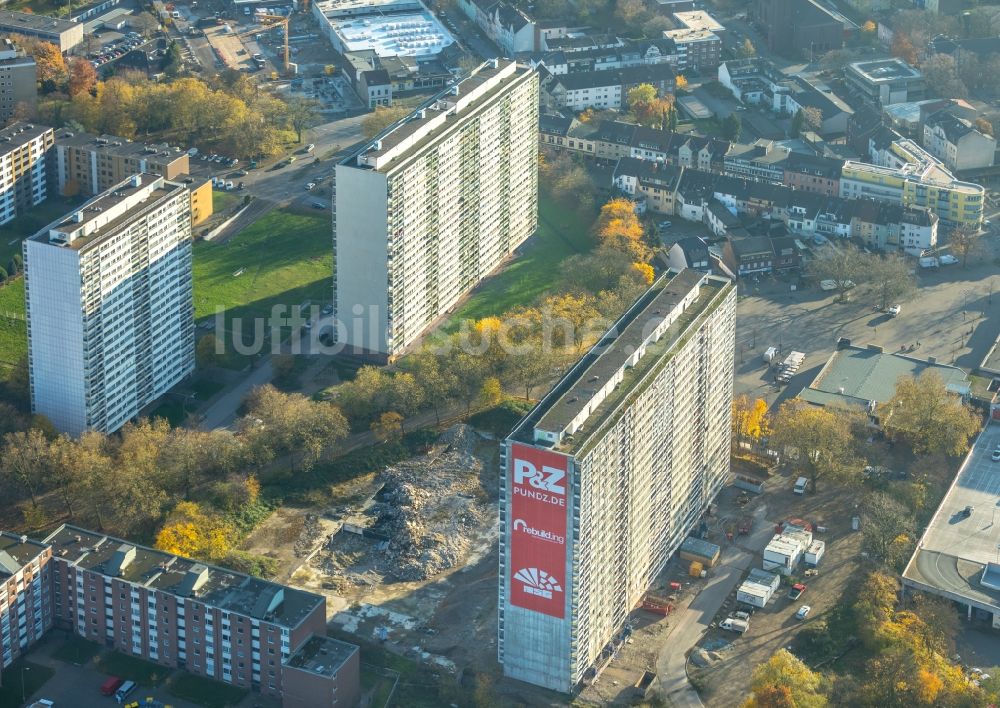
{"points": [[124, 691], [800, 485]]}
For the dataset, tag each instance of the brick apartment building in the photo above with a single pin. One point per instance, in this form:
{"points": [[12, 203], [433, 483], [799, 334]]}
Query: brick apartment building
{"points": [[177, 612]]}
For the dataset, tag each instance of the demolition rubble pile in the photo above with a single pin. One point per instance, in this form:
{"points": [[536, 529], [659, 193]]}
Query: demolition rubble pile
{"points": [[423, 518]]}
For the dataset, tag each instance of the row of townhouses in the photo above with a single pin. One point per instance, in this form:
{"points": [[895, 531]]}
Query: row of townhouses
{"points": [[900, 172], [175, 612]]}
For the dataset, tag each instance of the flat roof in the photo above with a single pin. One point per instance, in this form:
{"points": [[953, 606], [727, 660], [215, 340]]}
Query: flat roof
{"points": [[433, 118], [956, 549], [12, 21], [323, 656], [16, 552], [884, 70], [107, 212], [857, 375], [115, 145], [17, 134], [414, 33], [183, 577], [699, 19]]}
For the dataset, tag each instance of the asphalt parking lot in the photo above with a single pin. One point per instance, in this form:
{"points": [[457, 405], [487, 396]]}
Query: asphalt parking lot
{"points": [[954, 315]]}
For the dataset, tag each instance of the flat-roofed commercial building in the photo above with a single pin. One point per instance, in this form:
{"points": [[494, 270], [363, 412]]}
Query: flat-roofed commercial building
{"points": [[885, 81], [109, 305], [23, 177], [65, 34], [433, 205], [608, 474], [388, 27], [25, 595]]}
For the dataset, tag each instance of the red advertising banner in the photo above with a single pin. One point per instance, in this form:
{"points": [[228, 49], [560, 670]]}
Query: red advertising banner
{"points": [[538, 521]]}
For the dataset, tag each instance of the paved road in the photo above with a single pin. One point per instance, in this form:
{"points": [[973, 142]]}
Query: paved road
{"points": [[222, 412], [693, 621]]}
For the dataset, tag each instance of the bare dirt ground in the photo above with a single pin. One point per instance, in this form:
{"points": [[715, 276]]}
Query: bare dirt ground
{"points": [[440, 512], [726, 681]]}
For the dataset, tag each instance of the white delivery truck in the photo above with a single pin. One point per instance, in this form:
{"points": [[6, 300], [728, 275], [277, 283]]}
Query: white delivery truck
{"points": [[800, 485]]}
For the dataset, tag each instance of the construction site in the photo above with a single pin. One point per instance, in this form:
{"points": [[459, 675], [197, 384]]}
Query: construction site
{"points": [[408, 557]]}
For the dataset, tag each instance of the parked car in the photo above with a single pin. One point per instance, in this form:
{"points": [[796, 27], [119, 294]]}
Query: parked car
{"points": [[310, 186], [111, 685], [795, 592], [947, 259], [996, 455], [803, 612], [230, 185], [894, 310]]}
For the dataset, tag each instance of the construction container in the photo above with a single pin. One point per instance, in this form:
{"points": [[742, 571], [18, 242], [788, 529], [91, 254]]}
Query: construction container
{"points": [[696, 569], [695, 549]]}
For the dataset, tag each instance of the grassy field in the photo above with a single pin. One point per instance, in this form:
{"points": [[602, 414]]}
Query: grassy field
{"points": [[205, 692], [561, 233], [77, 650], [144, 673], [11, 690], [13, 331], [285, 258], [224, 201]]}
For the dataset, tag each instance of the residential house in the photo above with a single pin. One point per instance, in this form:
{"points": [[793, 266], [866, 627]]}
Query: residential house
{"points": [[957, 143]]}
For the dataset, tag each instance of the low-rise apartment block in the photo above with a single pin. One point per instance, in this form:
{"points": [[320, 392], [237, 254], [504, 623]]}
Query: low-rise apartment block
{"points": [[623, 54], [433, 205], [109, 305], [18, 81], [25, 595], [606, 89], [508, 26], [65, 34], [23, 177], [958, 144], [698, 39], [608, 474]]}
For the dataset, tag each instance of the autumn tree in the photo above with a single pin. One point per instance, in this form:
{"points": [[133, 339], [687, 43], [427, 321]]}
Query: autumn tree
{"points": [[49, 63], [388, 427], [732, 126], [749, 419], [82, 76], [941, 74], [566, 180], [631, 13], [380, 119], [844, 265], [292, 424], [964, 242], [903, 48], [984, 126], [303, 113], [437, 381], [784, 680], [194, 532], [680, 83], [747, 50], [888, 278], [619, 226], [928, 416], [887, 531], [24, 461], [820, 439]]}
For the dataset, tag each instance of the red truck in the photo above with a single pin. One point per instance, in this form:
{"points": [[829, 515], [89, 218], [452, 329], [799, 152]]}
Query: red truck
{"points": [[109, 687]]}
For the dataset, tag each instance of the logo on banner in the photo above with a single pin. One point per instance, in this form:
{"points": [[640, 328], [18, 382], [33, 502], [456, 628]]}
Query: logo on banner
{"points": [[522, 525], [547, 479], [538, 582]]}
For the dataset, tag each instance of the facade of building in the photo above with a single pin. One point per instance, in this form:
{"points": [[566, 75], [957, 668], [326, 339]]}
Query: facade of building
{"points": [[885, 81], [798, 27], [25, 595], [607, 89], [109, 305], [65, 34], [83, 163], [18, 81], [432, 205], [23, 179], [604, 479], [957, 143], [210, 621], [508, 26], [696, 48]]}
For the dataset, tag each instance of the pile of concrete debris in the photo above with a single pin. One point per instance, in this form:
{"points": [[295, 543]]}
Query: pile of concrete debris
{"points": [[306, 541], [430, 506]]}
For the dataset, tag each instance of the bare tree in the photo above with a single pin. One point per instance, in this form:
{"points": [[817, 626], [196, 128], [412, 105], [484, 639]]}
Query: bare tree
{"points": [[964, 243], [844, 265], [888, 278]]}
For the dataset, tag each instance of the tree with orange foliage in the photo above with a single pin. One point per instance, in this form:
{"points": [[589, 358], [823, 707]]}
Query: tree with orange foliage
{"points": [[784, 680], [51, 67], [193, 533], [82, 77], [903, 48], [680, 83], [644, 271], [618, 222]]}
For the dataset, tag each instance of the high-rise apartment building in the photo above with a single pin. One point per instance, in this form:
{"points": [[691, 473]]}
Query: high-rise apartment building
{"points": [[22, 168], [18, 81], [432, 205], [25, 595], [109, 305], [603, 480]]}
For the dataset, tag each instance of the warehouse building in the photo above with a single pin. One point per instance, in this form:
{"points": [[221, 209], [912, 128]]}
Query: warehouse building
{"points": [[65, 34]]}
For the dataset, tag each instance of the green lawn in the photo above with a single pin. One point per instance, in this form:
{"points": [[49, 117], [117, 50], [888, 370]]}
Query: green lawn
{"points": [[144, 673], [561, 233], [39, 216], [13, 331], [224, 201], [12, 693], [205, 692], [284, 258], [76, 650]]}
